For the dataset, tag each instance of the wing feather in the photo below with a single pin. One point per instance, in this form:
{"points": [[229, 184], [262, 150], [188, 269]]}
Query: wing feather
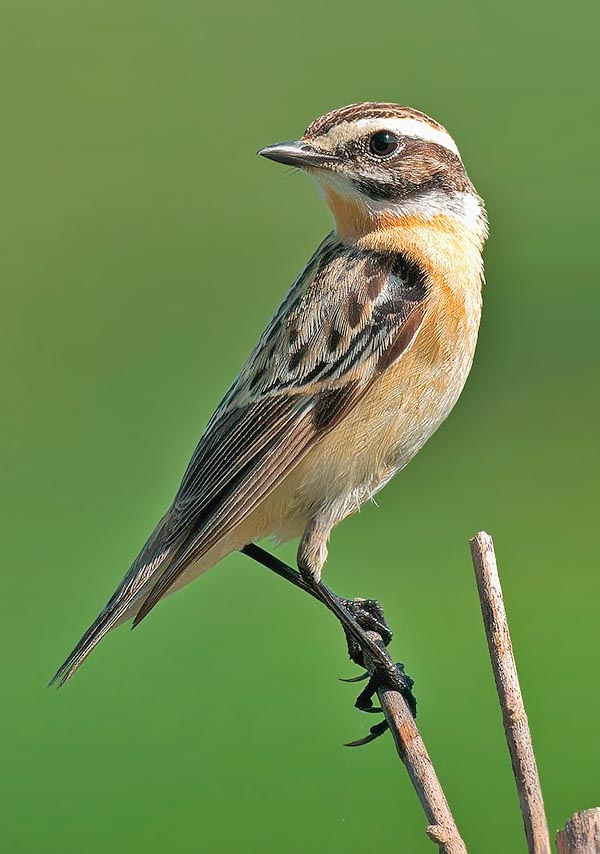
{"points": [[346, 319], [263, 474]]}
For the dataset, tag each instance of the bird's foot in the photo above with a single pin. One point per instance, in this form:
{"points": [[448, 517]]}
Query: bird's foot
{"points": [[394, 678], [374, 732], [369, 615], [368, 634], [358, 617]]}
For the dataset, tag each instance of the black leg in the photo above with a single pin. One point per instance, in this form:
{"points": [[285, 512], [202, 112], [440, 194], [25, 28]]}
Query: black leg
{"points": [[386, 672], [277, 566], [357, 617]]}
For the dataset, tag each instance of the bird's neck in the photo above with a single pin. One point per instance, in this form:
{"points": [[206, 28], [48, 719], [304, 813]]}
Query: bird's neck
{"points": [[442, 243]]}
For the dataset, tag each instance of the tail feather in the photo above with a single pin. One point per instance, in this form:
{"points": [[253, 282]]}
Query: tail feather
{"points": [[155, 555], [103, 623]]}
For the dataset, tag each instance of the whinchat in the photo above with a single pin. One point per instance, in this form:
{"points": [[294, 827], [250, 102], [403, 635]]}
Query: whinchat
{"points": [[362, 361]]}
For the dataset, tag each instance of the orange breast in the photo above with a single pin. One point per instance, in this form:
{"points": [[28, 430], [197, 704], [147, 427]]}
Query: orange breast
{"points": [[410, 400], [412, 397]]}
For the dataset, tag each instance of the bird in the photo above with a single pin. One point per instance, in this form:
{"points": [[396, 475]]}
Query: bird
{"points": [[363, 360]]}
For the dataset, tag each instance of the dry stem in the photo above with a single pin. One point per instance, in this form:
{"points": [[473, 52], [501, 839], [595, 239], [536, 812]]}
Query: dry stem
{"points": [[413, 753], [514, 717], [409, 744], [581, 834]]}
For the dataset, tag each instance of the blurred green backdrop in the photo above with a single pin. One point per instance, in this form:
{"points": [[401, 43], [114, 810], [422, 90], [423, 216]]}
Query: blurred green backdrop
{"points": [[143, 248]]}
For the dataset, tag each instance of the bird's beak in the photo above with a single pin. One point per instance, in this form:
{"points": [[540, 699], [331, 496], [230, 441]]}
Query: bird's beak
{"points": [[297, 153]]}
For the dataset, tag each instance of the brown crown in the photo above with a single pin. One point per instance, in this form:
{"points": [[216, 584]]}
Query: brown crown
{"points": [[367, 110]]}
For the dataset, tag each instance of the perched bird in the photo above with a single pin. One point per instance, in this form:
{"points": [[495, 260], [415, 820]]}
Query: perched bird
{"points": [[363, 360]]}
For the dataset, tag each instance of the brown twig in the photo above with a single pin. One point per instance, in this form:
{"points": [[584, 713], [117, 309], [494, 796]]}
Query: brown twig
{"points": [[581, 834], [514, 717], [409, 744], [411, 749]]}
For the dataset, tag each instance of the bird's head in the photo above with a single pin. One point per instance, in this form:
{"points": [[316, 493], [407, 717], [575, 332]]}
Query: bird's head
{"points": [[379, 164]]}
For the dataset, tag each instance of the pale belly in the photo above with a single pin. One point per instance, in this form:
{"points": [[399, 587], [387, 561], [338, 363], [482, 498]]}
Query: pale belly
{"points": [[381, 435], [375, 441]]}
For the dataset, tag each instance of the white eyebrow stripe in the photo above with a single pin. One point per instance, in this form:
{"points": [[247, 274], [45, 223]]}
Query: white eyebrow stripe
{"points": [[408, 127]]}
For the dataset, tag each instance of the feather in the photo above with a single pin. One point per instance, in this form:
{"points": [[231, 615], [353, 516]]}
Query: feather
{"points": [[346, 319]]}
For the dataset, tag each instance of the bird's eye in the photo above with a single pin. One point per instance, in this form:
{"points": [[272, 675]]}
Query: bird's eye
{"points": [[383, 143]]}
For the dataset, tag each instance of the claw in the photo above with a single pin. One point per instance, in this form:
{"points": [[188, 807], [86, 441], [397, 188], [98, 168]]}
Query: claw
{"points": [[399, 681], [364, 701], [358, 617], [361, 678], [374, 732]]}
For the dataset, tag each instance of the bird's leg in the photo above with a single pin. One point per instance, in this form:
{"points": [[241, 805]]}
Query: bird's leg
{"points": [[367, 612], [277, 566], [385, 671], [357, 617]]}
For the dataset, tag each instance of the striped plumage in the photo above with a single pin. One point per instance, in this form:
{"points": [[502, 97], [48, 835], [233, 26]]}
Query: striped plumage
{"points": [[362, 361]]}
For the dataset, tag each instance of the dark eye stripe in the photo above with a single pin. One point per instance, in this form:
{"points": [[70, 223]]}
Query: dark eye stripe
{"points": [[381, 190]]}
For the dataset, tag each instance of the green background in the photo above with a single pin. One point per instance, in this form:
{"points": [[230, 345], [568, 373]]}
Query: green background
{"points": [[143, 246]]}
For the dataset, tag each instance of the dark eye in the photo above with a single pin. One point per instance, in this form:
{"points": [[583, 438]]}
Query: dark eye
{"points": [[383, 143]]}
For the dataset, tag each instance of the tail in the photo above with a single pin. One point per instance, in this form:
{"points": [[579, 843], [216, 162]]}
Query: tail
{"points": [[156, 554]]}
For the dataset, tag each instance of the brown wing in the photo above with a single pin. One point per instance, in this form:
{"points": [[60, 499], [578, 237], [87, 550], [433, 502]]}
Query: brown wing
{"points": [[345, 320], [306, 420]]}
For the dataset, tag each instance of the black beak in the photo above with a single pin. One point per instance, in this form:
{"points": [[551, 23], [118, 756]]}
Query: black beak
{"points": [[297, 153]]}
